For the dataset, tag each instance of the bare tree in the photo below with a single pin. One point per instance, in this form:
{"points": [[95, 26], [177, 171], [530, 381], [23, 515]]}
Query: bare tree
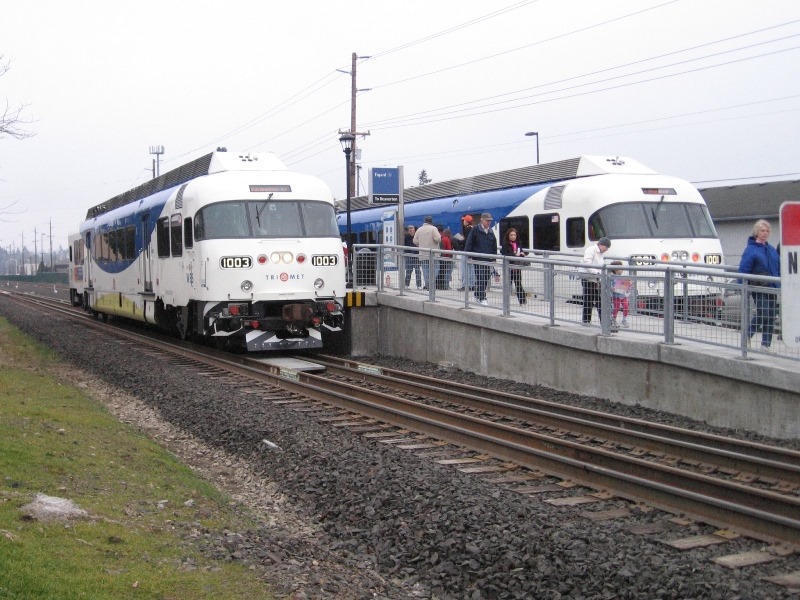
{"points": [[423, 177], [11, 121]]}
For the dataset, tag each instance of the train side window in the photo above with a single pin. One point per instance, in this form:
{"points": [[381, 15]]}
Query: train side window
{"points": [[162, 237], [188, 239], [521, 224], [576, 232], [546, 232], [176, 237], [130, 242]]}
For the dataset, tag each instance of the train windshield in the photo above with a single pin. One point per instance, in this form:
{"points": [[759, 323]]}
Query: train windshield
{"points": [[652, 220], [266, 219]]}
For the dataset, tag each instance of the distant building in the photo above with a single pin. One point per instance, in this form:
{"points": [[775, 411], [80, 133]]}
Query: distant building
{"points": [[735, 208]]}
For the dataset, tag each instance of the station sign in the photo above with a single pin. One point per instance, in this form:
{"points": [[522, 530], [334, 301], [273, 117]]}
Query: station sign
{"points": [[385, 185], [790, 276]]}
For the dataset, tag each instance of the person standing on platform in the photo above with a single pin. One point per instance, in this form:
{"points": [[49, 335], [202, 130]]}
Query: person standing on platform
{"points": [[511, 247], [412, 257], [445, 264], [592, 261], [427, 238], [759, 258], [467, 270], [620, 291], [482, 240]]}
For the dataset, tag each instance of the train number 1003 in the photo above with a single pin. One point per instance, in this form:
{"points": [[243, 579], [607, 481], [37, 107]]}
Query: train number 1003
{"points": [[324, 260], [235, 262]]}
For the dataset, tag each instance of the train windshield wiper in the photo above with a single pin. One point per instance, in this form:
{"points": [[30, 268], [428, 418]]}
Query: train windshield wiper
{"points": [[260, 210]]}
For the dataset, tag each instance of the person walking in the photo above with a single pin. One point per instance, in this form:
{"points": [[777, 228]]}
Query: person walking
{"points": [[512, 247], [428, 238], [482, 240], [591, 263], [411, 257], [759, 258]]}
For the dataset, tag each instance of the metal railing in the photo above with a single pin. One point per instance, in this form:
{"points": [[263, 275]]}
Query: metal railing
{"points": [[673, 301]]}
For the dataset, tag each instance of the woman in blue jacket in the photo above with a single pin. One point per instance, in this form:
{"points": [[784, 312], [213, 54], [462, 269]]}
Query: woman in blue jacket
{"points": [[759, 258]]}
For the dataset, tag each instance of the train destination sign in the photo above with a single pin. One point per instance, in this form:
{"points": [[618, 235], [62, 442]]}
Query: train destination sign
{"points": [[790, 276]]}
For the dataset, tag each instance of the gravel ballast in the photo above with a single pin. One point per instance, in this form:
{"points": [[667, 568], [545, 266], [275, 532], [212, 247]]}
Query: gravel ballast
{"points": [[348, 517]]}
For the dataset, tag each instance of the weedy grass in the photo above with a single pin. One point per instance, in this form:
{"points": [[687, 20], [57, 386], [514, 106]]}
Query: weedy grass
{"points": [[149, 517]]}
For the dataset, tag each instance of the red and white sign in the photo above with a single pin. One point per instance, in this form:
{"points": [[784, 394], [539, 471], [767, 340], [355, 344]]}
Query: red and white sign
{"points": [[790, 275]]}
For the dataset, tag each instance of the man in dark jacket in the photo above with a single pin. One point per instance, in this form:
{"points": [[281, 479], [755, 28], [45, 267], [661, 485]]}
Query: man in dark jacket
{"points": [[482, 239], [759, 258]]}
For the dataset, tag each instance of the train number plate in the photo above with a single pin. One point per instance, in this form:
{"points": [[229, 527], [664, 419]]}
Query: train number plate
{"points": [[235, 262], [324, 260], [713, 259], [641, 260]]}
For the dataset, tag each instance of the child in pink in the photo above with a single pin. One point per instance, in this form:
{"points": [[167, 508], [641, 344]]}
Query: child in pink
{"points": [[620, 290]]}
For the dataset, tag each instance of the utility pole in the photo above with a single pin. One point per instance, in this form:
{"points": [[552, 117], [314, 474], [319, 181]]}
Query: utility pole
{"points": [[351, 175]]}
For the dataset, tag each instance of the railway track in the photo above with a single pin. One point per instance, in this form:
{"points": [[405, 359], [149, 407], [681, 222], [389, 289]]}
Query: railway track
{"points": [[749, 488]]}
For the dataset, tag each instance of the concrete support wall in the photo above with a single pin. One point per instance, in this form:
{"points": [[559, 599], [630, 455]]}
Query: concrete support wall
{"points": [[702, 382]]}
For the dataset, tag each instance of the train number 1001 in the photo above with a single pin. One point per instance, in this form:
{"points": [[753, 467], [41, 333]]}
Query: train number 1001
{"points": [[235, 262]]}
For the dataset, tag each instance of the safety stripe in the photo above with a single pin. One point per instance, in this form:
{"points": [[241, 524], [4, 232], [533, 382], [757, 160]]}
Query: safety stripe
{"points": [[355, 299]]}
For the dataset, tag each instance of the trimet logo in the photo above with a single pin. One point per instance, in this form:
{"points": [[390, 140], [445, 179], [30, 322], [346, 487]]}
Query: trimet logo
{"points": [[286, 277]]}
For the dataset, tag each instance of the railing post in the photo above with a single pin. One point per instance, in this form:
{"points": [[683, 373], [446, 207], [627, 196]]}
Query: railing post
{"points": [[606, 305], [506, 281], [379, 266], [669, 307]]}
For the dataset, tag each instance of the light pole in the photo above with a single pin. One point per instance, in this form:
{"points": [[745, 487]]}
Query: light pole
{"points": [[158, 151], [536, 133], [347, 140]]}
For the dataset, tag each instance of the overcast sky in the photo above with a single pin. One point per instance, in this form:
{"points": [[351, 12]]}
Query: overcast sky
{"points": [[707, 90]]}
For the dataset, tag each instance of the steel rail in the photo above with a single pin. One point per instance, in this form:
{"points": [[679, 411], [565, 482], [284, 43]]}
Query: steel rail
{"points": [[758, 459]]}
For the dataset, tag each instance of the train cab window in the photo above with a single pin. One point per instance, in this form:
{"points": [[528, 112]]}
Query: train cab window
{"points": [[222, 220], [162, 237], [546, 232], [188, 238], [176, 236], [576, 232], [319, 219]]}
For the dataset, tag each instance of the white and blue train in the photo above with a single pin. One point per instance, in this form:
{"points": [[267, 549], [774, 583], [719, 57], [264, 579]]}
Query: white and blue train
{"points": [[560, 208], [232, 247]]}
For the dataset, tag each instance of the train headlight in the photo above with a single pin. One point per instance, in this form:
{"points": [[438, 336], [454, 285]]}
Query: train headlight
{"points": [[319, 283], [247, 285], [287, 257], [681, 255]]}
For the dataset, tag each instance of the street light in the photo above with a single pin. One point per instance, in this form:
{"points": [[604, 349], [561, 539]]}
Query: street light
{"points": [[536, 133], [347, 140]]}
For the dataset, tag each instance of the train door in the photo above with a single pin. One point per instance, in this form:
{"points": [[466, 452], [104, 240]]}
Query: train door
{"points": [[146, 266]]}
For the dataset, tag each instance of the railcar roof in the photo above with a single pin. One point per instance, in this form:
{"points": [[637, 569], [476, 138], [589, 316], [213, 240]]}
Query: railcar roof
{"points": [[215, 162], [571, 168]]}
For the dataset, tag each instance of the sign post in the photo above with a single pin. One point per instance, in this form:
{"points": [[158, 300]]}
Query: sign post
{"points": [[790, 276]]}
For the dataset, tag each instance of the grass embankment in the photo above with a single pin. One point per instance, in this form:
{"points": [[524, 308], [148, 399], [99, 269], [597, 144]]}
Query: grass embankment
{"points": [[147, 513]]}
